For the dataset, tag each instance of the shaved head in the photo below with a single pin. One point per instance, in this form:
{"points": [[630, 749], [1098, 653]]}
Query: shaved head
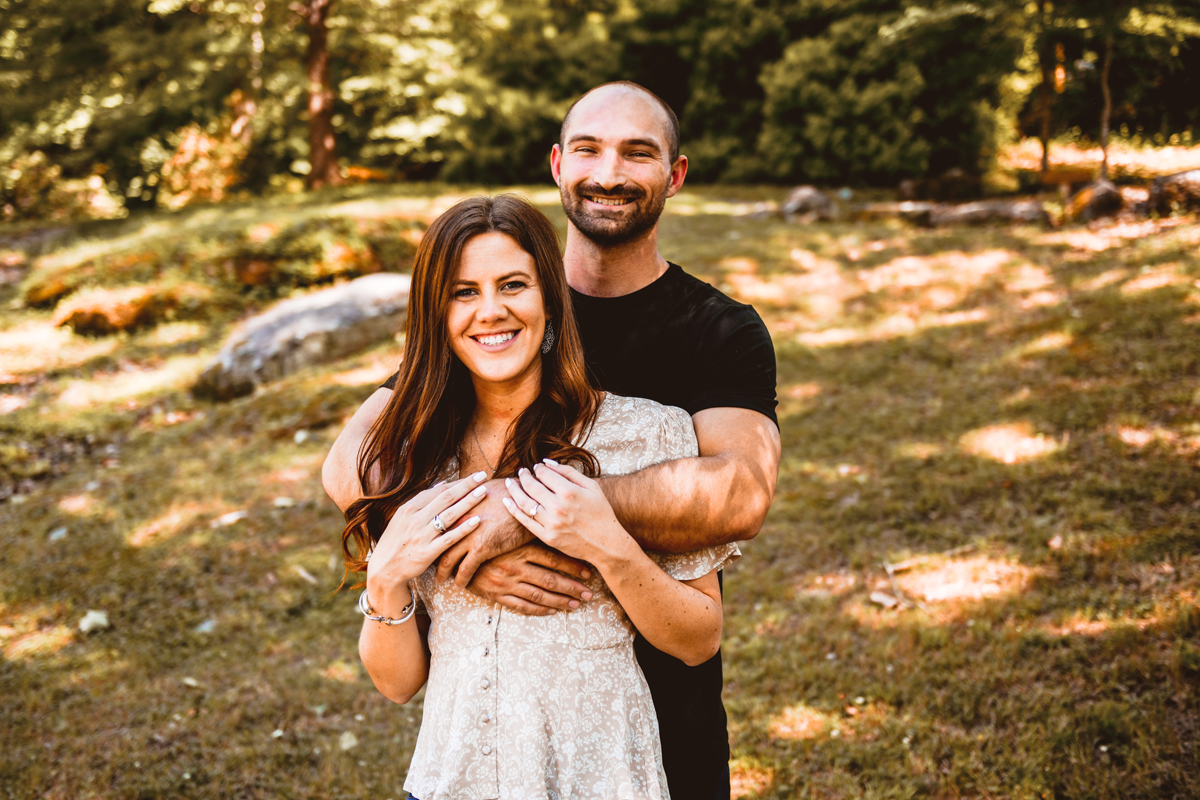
{"points": [[670, 122]]}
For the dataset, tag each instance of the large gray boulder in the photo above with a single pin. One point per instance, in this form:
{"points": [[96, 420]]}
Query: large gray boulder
{"points": [[1180, 191], [317, 328]]}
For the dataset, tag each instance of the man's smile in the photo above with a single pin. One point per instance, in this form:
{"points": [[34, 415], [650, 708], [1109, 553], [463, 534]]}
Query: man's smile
{"points": [[609, 201]]}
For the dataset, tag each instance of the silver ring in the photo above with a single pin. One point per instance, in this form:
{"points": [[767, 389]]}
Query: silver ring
{"points": [[437, 523]]}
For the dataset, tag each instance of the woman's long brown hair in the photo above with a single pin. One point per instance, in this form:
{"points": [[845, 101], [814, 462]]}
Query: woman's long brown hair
{"points": [[420, 428]]}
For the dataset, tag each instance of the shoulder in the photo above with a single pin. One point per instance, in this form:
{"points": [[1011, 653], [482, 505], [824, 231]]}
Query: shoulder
{"points": [[707, 308], [632, 433]]}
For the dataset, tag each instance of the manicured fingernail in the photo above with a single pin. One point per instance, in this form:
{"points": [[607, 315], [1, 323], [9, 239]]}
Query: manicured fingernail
{"points": [[472, 522], [508, 482], [586, 595], [439, 483], [550, 461], [587, 573], [479, 476], [574, 604], [507, 503], [522, 471], [480, 492]]}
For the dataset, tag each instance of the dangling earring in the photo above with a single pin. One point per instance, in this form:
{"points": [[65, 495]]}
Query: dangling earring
{"points": [[548, 338]]}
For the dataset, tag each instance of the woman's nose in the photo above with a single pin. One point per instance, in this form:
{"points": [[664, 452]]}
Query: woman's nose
{"points": [[491, 307]]}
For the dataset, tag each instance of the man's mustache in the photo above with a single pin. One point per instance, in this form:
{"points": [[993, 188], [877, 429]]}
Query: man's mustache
{"points": [[599, 191]]}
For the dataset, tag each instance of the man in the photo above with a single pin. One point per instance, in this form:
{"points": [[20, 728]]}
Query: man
{"points": [[650, 330]]}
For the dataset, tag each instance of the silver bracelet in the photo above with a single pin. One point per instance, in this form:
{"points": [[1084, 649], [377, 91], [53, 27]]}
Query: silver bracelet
{"points": [[364, 605]]}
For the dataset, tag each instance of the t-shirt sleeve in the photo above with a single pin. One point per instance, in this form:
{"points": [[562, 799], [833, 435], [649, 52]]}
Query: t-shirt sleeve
{"points": [[738, 369], [390, 383]]}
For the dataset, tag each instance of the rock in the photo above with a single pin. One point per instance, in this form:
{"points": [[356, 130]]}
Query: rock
{"points": [[100, 312], [808, 200], [1178, 192], [93, 621], [1096, 200], [985, 211], [313, 329]]}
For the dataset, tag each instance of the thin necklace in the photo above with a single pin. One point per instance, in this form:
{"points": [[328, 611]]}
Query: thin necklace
{"points": [[475, 434]]}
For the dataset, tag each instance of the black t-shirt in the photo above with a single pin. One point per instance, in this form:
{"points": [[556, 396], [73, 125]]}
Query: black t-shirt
{"points": [[681, 342]]}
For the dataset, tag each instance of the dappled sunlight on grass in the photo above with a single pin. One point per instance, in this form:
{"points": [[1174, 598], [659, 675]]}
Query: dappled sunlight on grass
{"points": [[36, 643], [177, 373], [800, 721], [822, 587], [173, 333], [966, 580], [1157, 278], [174, 520], [39, 347], [1011, 443], [748, 781], [918, 450], [78, 504]]}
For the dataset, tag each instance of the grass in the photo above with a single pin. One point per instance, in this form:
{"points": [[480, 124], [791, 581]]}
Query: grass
{"points": [[1009, 417]]}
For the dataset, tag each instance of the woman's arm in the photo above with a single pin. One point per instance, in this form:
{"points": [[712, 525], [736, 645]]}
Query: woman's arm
{"points": [[682, 618], [397, 656]]}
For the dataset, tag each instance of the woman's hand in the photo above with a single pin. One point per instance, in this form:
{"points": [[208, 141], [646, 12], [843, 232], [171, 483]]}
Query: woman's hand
{"points": [[568, 511], [411, 541]]}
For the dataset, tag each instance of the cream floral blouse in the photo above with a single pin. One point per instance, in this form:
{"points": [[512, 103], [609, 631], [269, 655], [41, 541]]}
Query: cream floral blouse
{"points": [[554, 707]]}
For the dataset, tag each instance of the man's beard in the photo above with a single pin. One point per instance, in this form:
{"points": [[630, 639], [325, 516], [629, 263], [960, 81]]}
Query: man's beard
{"points": [[609, 231]]}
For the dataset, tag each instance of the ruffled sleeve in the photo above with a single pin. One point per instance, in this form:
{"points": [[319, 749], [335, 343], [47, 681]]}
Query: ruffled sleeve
{"points": [[698, 563]]}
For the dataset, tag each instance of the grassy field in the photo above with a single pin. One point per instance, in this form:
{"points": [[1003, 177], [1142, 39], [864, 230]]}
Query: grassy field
{"points": [[979, 578]]}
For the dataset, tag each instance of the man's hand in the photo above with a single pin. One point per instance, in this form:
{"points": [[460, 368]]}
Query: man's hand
{"points": [[533, 579], [498, 533]]}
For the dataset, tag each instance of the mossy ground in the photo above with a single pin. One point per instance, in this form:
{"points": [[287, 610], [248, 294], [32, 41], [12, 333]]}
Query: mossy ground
{"points": [[1010, 414]]}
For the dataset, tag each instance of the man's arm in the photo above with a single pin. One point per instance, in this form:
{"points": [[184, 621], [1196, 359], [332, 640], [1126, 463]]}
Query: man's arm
{"points": [[500, 565], [339, 473], [721, 496]]}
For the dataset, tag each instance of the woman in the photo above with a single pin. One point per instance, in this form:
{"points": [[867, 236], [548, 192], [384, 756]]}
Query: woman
{"points": [[493, 383]]}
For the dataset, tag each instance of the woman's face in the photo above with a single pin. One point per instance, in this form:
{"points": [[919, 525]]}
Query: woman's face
{"points": [[497, 315]]}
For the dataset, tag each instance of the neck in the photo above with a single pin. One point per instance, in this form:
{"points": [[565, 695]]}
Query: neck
{"points": [[612, 270], [497, 406]]}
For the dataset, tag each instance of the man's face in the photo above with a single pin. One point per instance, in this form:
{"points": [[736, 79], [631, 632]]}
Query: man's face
{"points": [[613, 170]]}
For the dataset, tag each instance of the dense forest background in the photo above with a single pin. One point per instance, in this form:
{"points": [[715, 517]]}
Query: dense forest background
{"points": [[162, 102]]}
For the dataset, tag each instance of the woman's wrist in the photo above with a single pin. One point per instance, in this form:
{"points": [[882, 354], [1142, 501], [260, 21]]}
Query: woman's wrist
{"points": [[388, 594], [616, 554]]}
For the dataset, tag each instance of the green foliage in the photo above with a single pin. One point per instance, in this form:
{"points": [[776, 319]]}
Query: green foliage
{"points": [[837, 108]]}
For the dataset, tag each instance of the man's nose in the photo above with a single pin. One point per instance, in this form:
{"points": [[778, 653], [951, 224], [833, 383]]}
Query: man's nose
{"points": [[609, 173]]}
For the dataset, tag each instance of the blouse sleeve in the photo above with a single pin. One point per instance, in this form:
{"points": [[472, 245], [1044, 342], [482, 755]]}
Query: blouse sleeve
{"points": [[698, 563]]}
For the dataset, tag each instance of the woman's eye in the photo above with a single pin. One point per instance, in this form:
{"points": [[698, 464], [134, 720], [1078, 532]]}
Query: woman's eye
{"points": [[514, 286], [461, 294]]}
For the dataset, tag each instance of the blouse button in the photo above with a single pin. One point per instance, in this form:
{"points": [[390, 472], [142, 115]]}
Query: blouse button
{"points": [[485, 683], [485, 719], [486, 749], [486, 651]]}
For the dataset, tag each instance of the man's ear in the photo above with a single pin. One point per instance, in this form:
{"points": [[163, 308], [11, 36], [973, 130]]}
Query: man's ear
{"points": [[555, 162], [678, 173]]}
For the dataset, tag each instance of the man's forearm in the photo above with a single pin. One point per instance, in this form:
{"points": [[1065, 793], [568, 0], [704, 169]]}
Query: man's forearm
{"points": [[692, 503]]}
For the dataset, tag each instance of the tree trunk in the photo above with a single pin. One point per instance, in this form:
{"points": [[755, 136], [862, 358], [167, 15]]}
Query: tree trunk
{"points": [[321, 142], [1045, 107], [1106, 114]]}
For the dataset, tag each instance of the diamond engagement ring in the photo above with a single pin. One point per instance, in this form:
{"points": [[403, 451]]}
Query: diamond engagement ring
{"points": [[437, 523], [536, 508]]}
